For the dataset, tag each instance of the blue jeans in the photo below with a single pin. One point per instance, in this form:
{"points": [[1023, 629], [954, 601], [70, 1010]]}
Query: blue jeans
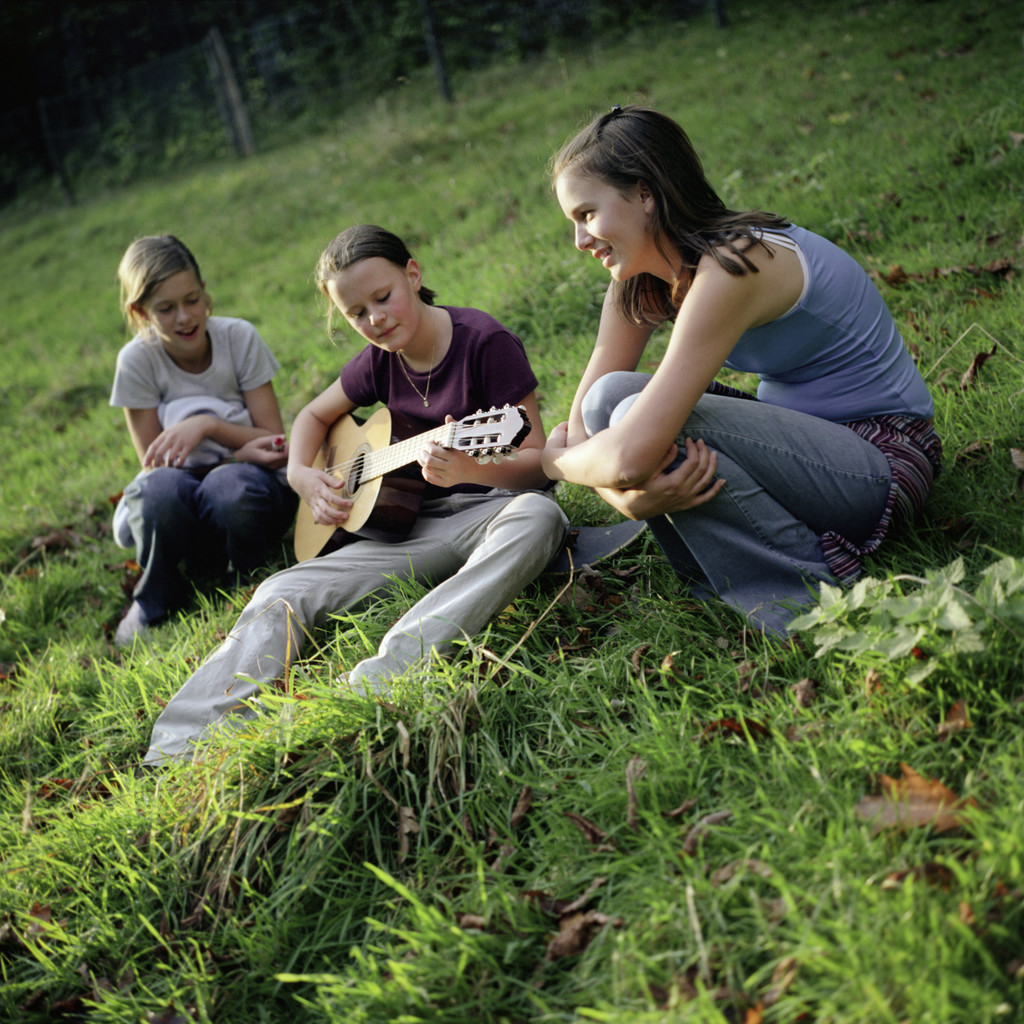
{"points": [[789, 478], [233, 513]]}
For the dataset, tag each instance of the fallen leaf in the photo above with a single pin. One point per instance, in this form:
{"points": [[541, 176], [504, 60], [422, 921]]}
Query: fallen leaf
{"points": [[582, 900], [595, 836], [740, 726], [782, 977], [57, 540], [974, 453], [522, 807], [684, 808], [575, 932], [407, 825], [932, 873], [912, 802], [956, 720], [805, 693], [635, 771], [756, 867], [971, 373], [696, 833], [636, 658]]}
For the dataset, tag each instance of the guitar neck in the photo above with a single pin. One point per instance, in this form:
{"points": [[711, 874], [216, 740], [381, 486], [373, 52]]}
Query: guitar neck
{"points": [[401, 453]]}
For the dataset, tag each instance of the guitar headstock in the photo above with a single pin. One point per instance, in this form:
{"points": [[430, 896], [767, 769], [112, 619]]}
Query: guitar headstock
{"points": [[493, 433]]}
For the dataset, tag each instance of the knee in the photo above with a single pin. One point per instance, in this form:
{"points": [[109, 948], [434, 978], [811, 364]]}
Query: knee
{"points": [[541, 519], [159, 494], [601, 403], [231, 493]]}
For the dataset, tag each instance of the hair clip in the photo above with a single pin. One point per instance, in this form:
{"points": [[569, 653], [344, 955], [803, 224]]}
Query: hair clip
{"points": [[616, 109]]}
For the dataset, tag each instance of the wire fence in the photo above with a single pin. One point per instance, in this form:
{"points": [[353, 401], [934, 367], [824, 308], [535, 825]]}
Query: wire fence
{"points": [[203, 101]]}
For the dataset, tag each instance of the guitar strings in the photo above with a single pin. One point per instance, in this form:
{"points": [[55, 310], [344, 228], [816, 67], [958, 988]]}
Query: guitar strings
{"points": [[396, 455]]}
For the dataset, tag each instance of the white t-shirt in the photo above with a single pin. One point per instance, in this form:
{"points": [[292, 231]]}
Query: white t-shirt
{"points": [[147, 378]]}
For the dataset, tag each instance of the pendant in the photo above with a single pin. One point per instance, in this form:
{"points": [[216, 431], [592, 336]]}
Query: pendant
{"points": [[426, 404]]}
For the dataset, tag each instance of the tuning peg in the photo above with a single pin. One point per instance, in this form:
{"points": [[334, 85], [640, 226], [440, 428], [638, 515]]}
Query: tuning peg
{"points": [[482, 460]]}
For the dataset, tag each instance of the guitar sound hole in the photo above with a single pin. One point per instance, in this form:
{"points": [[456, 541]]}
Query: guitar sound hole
{"points": [[355, 476]]}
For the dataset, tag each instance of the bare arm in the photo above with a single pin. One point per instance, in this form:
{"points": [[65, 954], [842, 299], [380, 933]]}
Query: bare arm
{"points": [[619, 346], [143, 428], [318, 489], [718, 308], [171, 446]]}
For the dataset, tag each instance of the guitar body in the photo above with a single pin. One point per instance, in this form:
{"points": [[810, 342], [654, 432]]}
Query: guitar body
{"points": [[385, 506], [381, 475]]}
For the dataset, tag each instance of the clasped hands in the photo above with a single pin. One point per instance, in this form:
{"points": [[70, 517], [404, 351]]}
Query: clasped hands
{"points": [[173, 445], [688, 485]]}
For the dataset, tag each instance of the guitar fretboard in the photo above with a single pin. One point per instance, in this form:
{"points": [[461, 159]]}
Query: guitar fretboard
{"points": [[401, 453]]}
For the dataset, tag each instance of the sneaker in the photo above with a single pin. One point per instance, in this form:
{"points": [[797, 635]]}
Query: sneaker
{"points": [[132, 625]]}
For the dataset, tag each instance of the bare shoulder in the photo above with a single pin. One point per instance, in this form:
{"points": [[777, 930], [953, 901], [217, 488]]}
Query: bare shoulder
{"points": [[771, 288]]}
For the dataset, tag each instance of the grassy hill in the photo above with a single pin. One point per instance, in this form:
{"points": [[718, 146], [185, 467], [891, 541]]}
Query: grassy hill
{"points": [[618, 805]]}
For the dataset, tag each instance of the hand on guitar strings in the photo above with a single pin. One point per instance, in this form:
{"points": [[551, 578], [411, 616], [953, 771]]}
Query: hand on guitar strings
{"points": [[320, 491]]}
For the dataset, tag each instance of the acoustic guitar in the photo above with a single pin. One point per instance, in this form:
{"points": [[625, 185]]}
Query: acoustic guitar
{"points": [[370, 459]]}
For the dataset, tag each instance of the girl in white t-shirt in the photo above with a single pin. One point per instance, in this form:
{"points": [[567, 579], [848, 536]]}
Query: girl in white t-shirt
{"points": [[200, 407]]}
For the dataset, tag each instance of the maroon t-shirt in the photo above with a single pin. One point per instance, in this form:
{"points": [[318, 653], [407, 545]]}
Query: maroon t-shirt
{"points": [[485, 366]]}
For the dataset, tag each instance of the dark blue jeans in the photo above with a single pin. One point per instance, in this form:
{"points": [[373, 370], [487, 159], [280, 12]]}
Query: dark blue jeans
{"points": [[231, 514], [789, 478]]}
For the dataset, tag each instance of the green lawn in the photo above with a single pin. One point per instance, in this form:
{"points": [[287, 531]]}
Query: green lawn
{"points": [[617, 805]]}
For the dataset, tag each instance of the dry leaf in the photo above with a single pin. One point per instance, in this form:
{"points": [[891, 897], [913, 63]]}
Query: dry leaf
{"points": [[575, 932], [57, 540], [684, 808], [756, 867], [595, 836], [740, 726], [956, 720], [635, 771], [977, 363], [407, 825], [931, 873], [912, 802], [522, 807], [782, 977], [805, 693], [696, 833]]}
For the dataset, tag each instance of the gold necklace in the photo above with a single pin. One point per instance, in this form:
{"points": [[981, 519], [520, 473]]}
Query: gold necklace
{"points": [[422, 394]]}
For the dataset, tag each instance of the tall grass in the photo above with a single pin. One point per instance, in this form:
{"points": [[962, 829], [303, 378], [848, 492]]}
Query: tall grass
{"points": [[617, 804]]}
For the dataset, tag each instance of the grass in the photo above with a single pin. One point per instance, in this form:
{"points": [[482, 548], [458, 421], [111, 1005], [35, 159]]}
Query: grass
{"points": [[616, 805]]}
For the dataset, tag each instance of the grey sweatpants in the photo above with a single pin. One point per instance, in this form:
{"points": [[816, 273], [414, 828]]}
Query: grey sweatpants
{"points": [[477, 551]]}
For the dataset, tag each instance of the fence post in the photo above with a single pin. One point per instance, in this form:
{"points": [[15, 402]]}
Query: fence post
{"points": [[434, 49], [53, 152], [229, 97]]}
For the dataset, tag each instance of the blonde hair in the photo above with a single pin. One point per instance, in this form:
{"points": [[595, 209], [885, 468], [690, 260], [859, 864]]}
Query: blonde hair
{"points": [[146, 264]]}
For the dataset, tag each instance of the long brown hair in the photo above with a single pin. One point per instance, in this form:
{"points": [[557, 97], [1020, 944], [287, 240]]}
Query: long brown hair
{"points": [[636, 145]]}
